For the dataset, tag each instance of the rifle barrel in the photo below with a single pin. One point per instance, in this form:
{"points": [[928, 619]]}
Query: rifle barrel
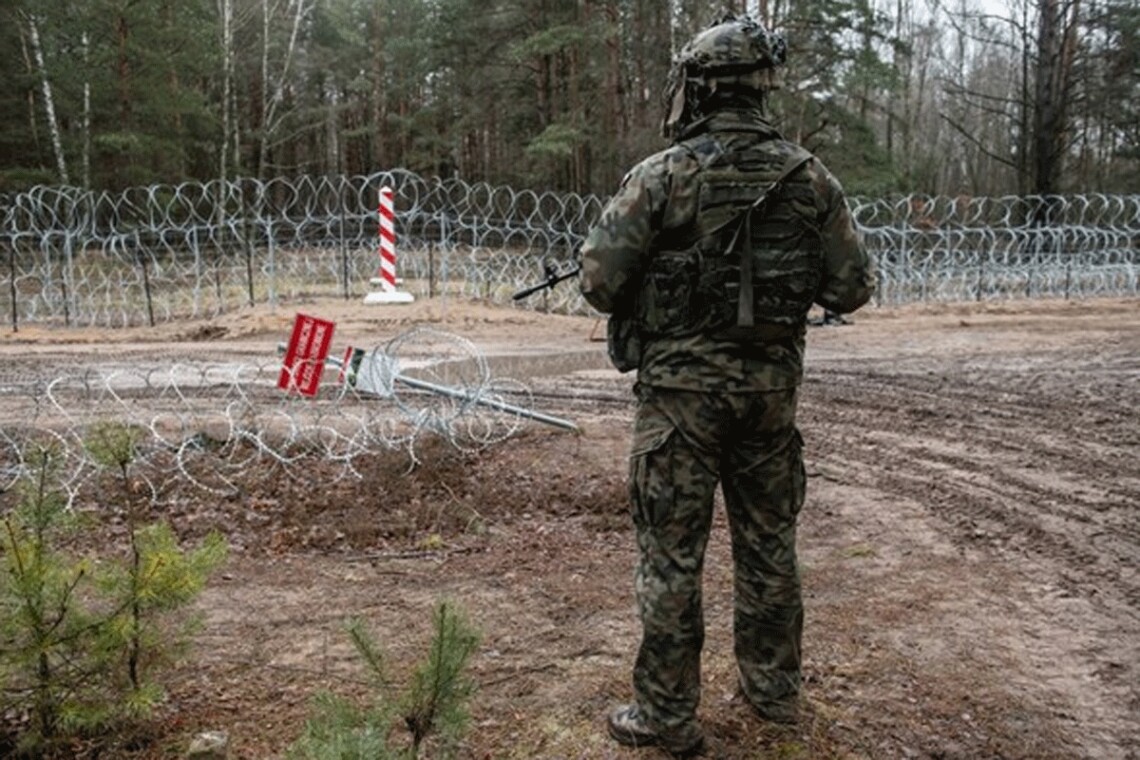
{"points": [[549, 282]]}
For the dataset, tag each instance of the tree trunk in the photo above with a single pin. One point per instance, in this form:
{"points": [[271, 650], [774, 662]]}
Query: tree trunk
{"points": [[49, 101], [273, 120], [263, 143], [30, 92], [86, 160], [379, 112], [227, 13], [175, 84], [1056, 43], [1025, 145], [123, 70], [333, 161]]}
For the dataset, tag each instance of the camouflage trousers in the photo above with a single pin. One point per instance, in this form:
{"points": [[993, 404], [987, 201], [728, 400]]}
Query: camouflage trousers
{"points": [[684, 445]]}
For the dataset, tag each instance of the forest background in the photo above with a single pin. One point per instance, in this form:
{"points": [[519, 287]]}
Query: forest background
{"points": [[943, 97]]}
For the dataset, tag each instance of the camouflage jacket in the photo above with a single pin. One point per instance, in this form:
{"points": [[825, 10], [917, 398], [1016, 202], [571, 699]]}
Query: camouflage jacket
{"points": [[660, 195]]}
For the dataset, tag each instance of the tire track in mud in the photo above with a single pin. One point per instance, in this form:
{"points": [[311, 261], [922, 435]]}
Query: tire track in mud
{"points": [[1043, 476], [1049, 467]]}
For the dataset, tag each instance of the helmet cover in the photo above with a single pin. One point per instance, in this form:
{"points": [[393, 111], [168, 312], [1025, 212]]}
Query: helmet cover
{"points": [[733, 45], [735, 52]]}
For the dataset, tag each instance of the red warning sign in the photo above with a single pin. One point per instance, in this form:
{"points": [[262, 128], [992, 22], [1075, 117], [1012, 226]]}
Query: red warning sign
{"points": [[306, 354]]}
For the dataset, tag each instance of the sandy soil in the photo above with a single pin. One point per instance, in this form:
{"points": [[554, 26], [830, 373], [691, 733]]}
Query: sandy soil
{"points": [[971, 543]]}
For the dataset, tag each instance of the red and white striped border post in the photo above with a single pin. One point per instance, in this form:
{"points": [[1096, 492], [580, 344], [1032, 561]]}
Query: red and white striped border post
{"points": [[386, 277], [387, 241]]}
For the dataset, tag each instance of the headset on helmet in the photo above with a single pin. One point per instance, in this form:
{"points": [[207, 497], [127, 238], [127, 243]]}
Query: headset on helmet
{"points": [[734, 52]]}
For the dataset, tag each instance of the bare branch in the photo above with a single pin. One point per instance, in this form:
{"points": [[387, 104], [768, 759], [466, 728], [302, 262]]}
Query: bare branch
{"points": [[973, 139]]}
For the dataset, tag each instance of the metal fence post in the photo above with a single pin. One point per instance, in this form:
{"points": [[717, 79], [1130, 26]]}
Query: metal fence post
{"points": [[11, 246]]}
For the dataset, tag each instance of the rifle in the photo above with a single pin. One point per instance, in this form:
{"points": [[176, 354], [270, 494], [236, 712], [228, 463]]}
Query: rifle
{"points": [[553, 277]]}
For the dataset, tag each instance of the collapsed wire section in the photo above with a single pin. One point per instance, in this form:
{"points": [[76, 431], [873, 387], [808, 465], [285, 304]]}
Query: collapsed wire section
{"points": [[211, 424]]}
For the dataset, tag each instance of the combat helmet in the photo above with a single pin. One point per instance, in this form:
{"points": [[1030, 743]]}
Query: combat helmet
{"points": [[735, 54]]}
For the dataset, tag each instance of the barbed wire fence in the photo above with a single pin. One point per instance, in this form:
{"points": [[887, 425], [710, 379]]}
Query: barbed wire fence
{"points": [[166, 252], [943, 249], [153, 254]]}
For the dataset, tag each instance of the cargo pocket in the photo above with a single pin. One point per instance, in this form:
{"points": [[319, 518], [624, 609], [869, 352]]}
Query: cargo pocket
{"points": [[798, 474], [651, 491]]}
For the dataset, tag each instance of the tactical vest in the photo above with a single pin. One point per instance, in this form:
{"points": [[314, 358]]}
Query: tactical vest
{"points": [[748, 267]]}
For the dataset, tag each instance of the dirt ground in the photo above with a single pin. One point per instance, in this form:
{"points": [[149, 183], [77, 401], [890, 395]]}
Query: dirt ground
{"points": [[970, 545]]}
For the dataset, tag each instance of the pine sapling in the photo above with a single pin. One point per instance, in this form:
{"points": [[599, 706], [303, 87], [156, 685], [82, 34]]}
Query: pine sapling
{"points": [[45, 660], [436, 700], [158, 577]]}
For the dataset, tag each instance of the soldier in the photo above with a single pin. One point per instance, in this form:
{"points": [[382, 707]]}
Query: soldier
{"points": [[708, 259]]}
